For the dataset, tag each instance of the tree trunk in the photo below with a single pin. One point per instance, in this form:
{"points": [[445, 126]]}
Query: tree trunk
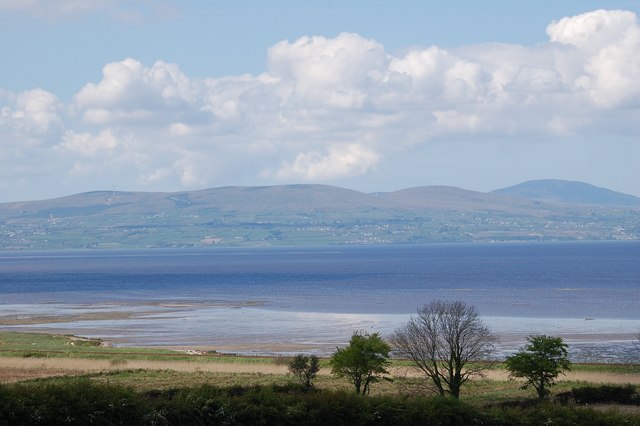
{"points": [[542, 392]]}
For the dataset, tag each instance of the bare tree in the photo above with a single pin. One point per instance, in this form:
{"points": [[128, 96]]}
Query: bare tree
{"points": [[442, 340]]}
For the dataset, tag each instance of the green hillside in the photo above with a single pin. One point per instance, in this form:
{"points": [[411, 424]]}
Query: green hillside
{"points": [[302, 215], [569, 192]]}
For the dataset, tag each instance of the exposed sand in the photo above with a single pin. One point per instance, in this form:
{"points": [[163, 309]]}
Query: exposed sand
{"points": [[114, 311], [243, 327], [85, 316]]}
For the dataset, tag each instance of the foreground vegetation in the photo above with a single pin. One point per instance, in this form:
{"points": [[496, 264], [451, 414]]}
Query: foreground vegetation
{"points": [[184, 392], [82, 401]]}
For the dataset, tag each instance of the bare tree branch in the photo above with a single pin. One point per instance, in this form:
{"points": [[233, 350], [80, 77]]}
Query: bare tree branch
{"points": [[442, 340]]}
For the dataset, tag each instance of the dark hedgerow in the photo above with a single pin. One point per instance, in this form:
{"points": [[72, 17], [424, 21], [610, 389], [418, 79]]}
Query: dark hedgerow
{"points": [[617, 394], [83, 402], [73, 402], [547, 413]]}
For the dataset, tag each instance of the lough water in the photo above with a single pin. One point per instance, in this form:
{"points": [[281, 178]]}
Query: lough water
{"points": [[277, 299]]}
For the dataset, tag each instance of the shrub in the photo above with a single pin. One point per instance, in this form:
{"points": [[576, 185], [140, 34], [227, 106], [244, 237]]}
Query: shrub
{"points": [[618, 394], [84, 402], [72, 402], [35, 355], [545, 413], [305, 368], [363, 361], [539, 362]]}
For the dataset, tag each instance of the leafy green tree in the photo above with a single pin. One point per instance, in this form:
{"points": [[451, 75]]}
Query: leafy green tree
{"points": [[540, 362], [363, 361], [442, 341], [305, 368]]}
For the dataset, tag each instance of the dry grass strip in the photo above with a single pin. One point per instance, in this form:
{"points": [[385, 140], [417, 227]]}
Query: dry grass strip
{"points": [[15, 368]]}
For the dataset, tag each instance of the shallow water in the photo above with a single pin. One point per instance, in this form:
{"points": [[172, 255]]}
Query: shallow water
{"points": [[315, 298]]}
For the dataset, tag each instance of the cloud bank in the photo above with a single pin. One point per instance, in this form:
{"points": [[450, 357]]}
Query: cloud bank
{"points": [[118, 10], [324, 109]]}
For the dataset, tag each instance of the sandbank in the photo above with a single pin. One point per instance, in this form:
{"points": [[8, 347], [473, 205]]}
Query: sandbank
{"points": [[248, 327]]}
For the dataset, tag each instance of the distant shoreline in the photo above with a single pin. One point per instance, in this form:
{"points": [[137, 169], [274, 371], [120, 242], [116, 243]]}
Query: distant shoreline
{"points": [[248, 329], [312, 299]]}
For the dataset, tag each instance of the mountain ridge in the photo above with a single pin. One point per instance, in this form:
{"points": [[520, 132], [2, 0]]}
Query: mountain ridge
{"points": [[550, 190], [569, 192], [307, 214]]}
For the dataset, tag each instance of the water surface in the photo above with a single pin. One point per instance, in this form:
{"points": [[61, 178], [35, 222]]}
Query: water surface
{"points": [[318, 296]]}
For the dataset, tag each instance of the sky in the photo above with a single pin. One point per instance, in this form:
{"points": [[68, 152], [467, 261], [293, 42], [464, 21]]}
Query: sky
{"points": [[162, 95]]}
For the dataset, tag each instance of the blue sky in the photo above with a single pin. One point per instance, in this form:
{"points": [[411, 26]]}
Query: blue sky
{"points": [[370, 95]]}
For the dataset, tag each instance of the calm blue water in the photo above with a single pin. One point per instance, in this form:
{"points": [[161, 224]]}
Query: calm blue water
{"points": [[529, 280], [314, 298]]}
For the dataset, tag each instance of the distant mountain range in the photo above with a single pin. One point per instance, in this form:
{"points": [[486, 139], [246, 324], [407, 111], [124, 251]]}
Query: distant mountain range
{"points": [[320, 214], [569, 192]]}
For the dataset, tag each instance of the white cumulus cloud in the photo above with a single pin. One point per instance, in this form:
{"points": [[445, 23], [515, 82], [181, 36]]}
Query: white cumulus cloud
{"points": [[33, 113], [338, 161], [609, 42], [333, 108], [129, 90], [334, 72], [88, 144], [593, 31]]}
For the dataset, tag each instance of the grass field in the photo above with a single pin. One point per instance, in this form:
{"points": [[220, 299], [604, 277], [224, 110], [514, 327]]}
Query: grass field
{"points": [[39, 356], [52, 365]]}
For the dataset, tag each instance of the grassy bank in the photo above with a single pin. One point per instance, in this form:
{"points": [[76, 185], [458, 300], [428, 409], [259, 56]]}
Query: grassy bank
{"points": [[41, 345], [91, 383], [25, 356]]}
